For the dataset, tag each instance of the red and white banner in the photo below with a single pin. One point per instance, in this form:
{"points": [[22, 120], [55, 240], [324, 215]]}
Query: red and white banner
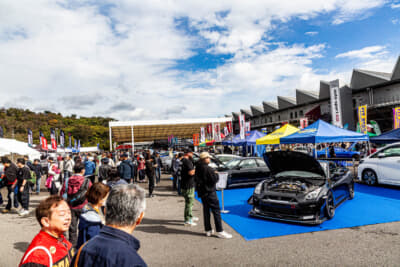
{"points": [[53, 139], [303, 123], [229, 126], [44, 143], [217, 136], [202, 135], [209, 129], [226, 132], [242, 126], [248, 126]]}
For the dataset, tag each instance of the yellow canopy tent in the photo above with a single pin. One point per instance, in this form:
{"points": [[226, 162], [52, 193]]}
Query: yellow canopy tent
{"points": [[274, 137]]}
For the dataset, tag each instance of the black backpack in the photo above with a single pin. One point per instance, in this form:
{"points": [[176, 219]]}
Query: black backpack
{"points": [[79, 197]]}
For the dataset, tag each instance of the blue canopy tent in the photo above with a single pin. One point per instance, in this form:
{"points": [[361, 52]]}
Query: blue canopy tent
{"points": [[323, 132], [249, 141], [387, 138]]}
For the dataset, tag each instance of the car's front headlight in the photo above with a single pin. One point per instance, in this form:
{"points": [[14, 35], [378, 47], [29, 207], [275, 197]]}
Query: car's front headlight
{"points": [[258, 188], [314, 194]]}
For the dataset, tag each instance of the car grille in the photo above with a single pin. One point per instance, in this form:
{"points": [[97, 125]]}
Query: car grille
{"points": [[287, 210], [280, 198]]}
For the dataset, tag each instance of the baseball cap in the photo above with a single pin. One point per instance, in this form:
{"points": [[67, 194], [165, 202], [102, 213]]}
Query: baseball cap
{"points": [[204, 155]]}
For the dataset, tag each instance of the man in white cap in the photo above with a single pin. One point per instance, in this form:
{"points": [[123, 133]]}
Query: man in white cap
{"points": [[206, 179]]}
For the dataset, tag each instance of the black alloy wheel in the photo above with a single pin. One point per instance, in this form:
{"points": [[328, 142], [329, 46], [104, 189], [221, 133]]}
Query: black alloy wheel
{"points": [[369, 177], [330, 207], [351, 190]]}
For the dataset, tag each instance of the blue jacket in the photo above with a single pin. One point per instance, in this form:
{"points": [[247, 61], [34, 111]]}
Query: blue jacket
{"points": [[90, 225], [126, 169], [90, 167], [111, 247]]}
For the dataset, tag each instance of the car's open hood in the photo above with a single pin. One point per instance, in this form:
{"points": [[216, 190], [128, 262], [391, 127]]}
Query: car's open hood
{"points": [[280, 161]]}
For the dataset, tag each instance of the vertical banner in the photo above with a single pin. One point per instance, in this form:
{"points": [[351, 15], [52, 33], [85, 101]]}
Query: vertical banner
{"points": [[40, 137], [1, 132], [70, 140], [79, 145], [217, 132], [248, 126], [336, 108], [62, 138], [202, 135], [196, 139], [242, 126], [30, 137], [226, 132], [229, 126], [303, 123], [396, 118], [43, 143], [362, 118], [76, 146], [209, 131], [53, 139]]}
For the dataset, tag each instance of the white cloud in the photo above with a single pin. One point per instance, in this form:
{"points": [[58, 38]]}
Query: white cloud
{"points": [[78, 60], [395, 21], [395, 5], [311, 33], [364, 53]]}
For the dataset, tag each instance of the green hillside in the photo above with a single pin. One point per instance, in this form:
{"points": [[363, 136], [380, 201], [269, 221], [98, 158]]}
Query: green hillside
{"points": [[90, 130]]}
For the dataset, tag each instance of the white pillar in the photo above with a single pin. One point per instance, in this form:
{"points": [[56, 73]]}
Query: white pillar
{"points": [[110, 138], [133, 140]]}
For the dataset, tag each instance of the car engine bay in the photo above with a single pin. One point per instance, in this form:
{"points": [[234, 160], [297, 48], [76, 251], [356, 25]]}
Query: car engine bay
{"points": [[291, 185]]}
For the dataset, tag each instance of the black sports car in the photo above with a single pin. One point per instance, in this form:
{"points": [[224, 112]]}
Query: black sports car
{"points": [[301, 189]]}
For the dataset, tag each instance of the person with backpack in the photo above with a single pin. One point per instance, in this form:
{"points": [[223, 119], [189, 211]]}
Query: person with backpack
{"points": [[104, 170], [10, 180], [53, 182], [92, 218], [37, 169], [23, 175], [76, 190]]}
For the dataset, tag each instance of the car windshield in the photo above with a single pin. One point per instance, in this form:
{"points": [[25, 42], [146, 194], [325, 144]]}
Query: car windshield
{"points": [[299, 174], [233, 163]]}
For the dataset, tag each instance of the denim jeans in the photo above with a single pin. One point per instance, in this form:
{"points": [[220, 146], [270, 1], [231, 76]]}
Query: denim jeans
{"points": [[12, 197], [188, 194], [158, 174], [38, 179]]}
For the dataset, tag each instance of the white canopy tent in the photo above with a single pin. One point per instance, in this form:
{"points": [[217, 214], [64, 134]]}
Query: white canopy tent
{"points": [[12, 146]]}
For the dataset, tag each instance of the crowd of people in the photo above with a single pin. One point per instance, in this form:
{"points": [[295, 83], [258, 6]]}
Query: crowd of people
{"points": [[85, 222]]}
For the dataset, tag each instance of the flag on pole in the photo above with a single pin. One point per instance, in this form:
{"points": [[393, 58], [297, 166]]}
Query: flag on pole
{"points": [[248, 126], [362, 118], [53, 139], [40, 137], [43, 143], [75, 145], [242, 126], [396, 118], [62, 138], [226, 132], [70, 140], [79, 145], [217, 130], [229, 126], [202, 135], [30, 137], [1, 132]]}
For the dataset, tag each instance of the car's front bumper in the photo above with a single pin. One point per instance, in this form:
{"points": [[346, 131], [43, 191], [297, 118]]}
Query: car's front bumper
{"points": [[308, 213]]}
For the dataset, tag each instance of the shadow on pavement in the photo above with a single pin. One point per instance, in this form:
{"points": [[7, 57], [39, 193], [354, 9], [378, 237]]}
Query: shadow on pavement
{"points": [[21, 246], [160, 229], [150, 221]]}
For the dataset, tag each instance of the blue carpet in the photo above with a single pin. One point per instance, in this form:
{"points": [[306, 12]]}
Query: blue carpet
{"points": [[371, 205]]}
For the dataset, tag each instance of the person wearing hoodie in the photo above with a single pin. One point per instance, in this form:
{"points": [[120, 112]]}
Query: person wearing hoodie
{"points": [[10, 180], [90, 168], [78, 185], [126, 169], [92, 217]]}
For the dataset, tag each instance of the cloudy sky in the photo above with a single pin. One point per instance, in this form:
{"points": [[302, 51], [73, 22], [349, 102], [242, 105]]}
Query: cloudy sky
{"points": [[158, 59]]}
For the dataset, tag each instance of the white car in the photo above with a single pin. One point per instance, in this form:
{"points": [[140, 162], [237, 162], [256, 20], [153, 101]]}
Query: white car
{"points": [[382, 167]]}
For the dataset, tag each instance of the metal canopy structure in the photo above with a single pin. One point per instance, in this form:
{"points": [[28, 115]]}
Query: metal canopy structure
{"points": [[142, 131]]}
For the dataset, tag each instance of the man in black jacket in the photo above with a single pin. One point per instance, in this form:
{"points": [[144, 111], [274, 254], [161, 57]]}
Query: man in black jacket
{"points": [[206, 179], [37, 168], [10, 180], [23, 174]]}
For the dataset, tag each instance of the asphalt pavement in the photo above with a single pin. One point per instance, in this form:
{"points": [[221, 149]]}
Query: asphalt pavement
{"points": [[165, 241]]}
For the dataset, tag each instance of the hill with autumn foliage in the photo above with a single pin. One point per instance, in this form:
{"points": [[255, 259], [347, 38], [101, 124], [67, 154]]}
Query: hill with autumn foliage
{"points": [[90, 130]]}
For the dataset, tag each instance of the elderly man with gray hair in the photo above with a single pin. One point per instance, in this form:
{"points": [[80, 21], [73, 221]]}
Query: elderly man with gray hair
{"points": [[115, 244]]}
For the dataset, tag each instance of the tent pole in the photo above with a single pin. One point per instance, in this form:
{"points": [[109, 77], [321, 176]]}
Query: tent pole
{"points": [[110, 138], [132, 140]]}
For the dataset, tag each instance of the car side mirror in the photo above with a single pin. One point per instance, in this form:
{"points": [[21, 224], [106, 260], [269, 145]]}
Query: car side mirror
{"points": [[381, 155]]}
